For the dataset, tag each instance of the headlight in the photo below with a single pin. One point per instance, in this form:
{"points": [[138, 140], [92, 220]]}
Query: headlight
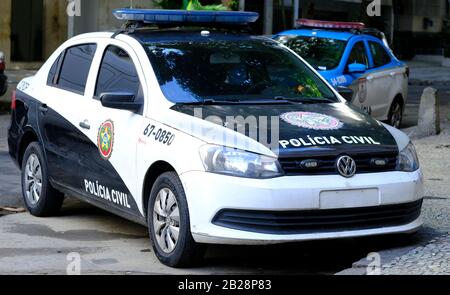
{"points": [[408, 160], [223, 160]]}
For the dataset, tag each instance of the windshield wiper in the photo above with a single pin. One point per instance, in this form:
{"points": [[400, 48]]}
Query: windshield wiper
{"points": [[238, 101], [301, 100], [209, 101]]}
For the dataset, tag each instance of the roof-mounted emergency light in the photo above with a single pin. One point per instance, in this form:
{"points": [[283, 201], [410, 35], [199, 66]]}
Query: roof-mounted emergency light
{"points": [[166, 16], [321, 24]]}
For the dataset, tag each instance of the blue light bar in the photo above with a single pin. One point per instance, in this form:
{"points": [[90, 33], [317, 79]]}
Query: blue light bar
{"points": [[166, 16]]}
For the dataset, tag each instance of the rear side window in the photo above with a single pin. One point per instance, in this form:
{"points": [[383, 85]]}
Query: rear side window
{"points": [[379, 54], [75, 68], [358, 55], [117, 73], [53, 70]]}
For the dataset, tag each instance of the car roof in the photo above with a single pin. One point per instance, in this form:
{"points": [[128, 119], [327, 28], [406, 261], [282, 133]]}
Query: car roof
{"points": [[193, 34], [320, 33]]}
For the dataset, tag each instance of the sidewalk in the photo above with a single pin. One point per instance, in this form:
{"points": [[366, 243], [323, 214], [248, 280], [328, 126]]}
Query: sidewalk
{"points": [[428, 73]]}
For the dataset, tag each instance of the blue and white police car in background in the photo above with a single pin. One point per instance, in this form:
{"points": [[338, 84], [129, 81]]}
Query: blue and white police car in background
{"points": [[120, 120], [350, 55]]}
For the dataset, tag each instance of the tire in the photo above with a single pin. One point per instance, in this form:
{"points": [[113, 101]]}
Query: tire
{"points": [[44, 202], [167, 200], [395, 116]]}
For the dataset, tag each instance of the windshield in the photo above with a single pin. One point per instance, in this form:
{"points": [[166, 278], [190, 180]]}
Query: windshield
{"points": [[240, 71], [322, 53]]}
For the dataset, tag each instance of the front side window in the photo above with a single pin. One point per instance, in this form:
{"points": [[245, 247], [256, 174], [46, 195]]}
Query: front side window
{"points": [[322, 53], [358, 55], [117, 73], [379, 54], [248, 69], [75, 68]]}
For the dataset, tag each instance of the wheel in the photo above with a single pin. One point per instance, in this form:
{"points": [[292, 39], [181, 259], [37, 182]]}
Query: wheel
{"points": [[395, 114], [169, 225], [40, 198]]}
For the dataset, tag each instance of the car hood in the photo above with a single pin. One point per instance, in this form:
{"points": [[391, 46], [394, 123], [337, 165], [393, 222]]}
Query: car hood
{"points": [[301, 129]]}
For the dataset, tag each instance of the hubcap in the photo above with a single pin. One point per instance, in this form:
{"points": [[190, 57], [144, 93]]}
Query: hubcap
{"points": [[166, 220], [33, 179], [396, 116]]}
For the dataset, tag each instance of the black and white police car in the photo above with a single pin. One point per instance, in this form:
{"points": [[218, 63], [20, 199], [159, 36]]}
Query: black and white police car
{"points": [[155, 123]]}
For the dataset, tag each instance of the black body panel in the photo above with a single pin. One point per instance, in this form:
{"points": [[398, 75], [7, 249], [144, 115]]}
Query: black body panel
{"points": [[317, 221], [354, 122], [72, 158], [24, 121]]}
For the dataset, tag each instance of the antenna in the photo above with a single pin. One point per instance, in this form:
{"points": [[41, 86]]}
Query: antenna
{"points": [[131, 3]]}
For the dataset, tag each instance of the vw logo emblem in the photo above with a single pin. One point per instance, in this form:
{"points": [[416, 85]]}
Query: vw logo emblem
{"points": [[346, 166]]}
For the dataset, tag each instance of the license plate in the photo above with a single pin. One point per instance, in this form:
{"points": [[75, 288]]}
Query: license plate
{"points": [[349, 198]]}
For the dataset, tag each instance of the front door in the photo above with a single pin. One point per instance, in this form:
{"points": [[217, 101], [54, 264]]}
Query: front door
{"points": [[358, 55], [110, 174]]}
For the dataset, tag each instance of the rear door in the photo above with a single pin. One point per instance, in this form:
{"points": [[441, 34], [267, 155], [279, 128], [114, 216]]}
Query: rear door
{"points": [[59, 112]]}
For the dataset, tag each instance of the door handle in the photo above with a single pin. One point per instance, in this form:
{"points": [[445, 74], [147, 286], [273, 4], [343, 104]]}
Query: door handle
{"points": [[85, 125], [43, 108]]}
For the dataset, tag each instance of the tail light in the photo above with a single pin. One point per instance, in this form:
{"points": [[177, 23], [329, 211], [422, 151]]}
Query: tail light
{"points": [[13, 100], [2, 65]]}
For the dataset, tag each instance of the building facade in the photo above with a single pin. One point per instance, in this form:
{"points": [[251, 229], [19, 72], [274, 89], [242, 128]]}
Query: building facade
{"points": [[411, 26], [30, 30]]}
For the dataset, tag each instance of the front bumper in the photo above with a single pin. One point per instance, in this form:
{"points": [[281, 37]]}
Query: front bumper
{"points": [[207, 194]]}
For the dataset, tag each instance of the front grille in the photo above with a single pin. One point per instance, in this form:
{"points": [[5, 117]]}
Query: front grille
{"points": [[327, 164], [316, 221]]}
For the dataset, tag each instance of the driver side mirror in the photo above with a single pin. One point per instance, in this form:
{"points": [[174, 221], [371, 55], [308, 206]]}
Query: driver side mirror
{"points": [[356, 68], [121, 101]]}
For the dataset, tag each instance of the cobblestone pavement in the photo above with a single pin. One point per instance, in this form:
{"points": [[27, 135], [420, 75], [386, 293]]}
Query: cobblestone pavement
{"points": [[432, 259]]}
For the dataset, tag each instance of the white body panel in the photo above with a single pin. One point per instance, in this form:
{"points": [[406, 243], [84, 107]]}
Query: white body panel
{"points": [[208, 193]]}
